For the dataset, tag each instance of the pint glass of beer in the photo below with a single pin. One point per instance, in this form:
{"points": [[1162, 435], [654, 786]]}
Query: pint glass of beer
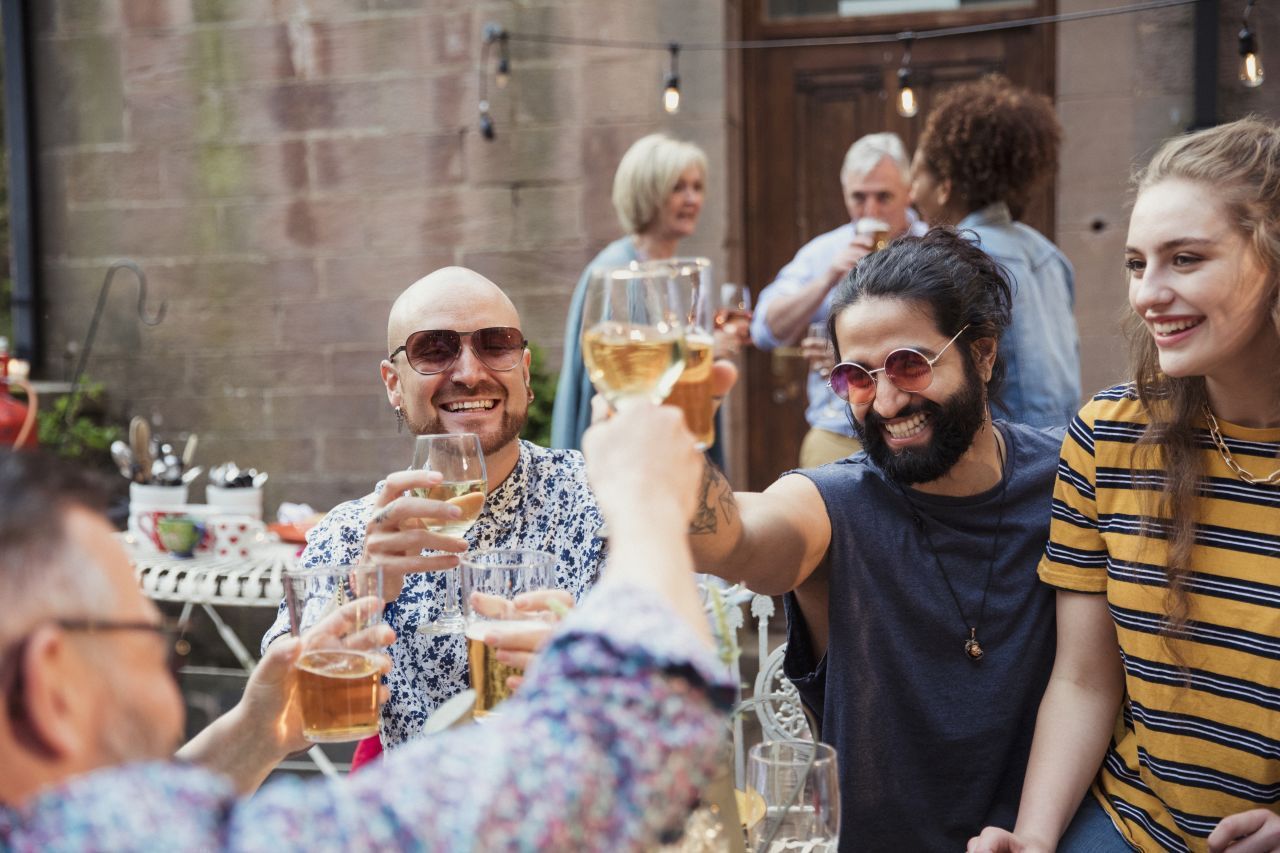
{"points": [[698, 302], [338, 670], [491, 580], [876, 229]]}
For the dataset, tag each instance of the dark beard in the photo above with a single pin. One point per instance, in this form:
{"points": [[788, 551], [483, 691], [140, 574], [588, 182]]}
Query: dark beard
{"points": [[954, 424]]}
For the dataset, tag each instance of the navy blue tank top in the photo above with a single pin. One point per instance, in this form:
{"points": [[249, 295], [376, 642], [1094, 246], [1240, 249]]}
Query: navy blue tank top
{"points": [[932, 745]]}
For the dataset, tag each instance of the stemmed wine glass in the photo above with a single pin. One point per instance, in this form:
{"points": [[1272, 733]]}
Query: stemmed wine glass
{"points": [[458, 458], [633, 332], [733, 306], [633, 325]]}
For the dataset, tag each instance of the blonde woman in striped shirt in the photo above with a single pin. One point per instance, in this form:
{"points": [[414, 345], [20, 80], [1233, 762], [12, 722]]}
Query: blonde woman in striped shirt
{"points": [[1163, 710]]}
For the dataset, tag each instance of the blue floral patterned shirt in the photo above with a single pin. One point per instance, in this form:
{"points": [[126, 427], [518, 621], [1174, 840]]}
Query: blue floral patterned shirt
{"points": [[545, 504], [606, 747]]}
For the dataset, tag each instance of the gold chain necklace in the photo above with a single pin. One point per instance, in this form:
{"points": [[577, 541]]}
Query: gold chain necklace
{"points": [[1216, 434]]}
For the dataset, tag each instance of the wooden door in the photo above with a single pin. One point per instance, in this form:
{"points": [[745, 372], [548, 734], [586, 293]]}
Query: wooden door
{"points": [[803, 107]]}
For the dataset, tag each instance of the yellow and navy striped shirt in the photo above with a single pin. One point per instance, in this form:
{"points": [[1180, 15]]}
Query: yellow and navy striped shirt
{"points": [[1199, 734]]}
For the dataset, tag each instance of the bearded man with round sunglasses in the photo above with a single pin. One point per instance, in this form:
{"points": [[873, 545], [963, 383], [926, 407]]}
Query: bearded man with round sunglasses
{"points": [[918, 632], [457, 363]]}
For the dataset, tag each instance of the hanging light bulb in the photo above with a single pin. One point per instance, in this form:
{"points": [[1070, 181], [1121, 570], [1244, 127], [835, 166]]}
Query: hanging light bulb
{"points": [[1250, 63], [486, 121], [671, 85], [908, 105], [503, 76]]}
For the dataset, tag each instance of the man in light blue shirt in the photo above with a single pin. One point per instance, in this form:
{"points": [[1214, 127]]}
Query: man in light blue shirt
{"points": [[873, 180]]}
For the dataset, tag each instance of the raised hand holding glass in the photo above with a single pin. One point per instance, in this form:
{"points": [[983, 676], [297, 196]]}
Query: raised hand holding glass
{"points": [[460, 461]]}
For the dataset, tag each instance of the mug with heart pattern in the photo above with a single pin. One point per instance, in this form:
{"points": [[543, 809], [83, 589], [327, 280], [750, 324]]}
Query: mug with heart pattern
{"points": [[236, 535]]}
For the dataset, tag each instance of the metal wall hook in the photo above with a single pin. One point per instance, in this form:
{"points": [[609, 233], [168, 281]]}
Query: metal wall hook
{"points": [[125, 263]]}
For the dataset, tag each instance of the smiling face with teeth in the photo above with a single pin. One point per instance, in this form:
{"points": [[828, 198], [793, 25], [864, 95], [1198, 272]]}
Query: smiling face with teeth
{"points": [[468, 396], [913, 437], [1198, 286]]}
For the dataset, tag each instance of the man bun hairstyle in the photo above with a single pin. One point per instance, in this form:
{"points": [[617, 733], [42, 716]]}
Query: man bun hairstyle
{"points": [[947, 273]]}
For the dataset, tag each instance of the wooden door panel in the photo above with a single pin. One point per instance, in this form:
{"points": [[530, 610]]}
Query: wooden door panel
{"points": [[832, 96]]}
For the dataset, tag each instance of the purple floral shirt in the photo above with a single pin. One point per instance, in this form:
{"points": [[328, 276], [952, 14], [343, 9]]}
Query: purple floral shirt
{"points": [[606, 747]]}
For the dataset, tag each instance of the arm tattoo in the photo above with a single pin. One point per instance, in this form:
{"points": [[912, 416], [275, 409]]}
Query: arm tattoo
{"points": [[716, 493]]}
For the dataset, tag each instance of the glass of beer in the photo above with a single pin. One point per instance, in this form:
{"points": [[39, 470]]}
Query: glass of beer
{"points": [[459, 459], [698, 303], [339, 669], [876, 229], [633, 332], [491, 579]]}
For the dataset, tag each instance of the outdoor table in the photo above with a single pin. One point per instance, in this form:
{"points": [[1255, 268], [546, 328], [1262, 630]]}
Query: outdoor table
{"points": [[209, 582]]}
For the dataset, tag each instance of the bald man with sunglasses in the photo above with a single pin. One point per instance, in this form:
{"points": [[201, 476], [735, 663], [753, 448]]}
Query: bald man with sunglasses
{"points": [[457, 362], [918, 631]]}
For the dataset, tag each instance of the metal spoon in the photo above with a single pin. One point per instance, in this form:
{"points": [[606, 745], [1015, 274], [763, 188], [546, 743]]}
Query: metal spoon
{"points": [[123, 457]]}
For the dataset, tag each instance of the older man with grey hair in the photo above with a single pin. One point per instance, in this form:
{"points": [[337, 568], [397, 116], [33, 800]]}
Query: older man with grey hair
{"points": [[875, 182]]}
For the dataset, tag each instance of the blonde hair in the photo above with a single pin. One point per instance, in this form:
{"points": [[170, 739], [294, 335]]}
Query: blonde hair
{"points": [[647, 173], [1237, 164], [865, 154]]}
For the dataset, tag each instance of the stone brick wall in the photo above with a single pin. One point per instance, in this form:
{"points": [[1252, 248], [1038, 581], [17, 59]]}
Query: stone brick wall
{"points": [[283, 168], [1125, 84]]}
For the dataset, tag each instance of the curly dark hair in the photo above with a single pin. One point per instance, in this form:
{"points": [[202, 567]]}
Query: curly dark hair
{"points": [[993, 141], [946, 271]]}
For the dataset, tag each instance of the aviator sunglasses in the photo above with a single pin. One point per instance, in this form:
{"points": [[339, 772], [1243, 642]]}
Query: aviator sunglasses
{"points": [[907, 369], [432, 351]]}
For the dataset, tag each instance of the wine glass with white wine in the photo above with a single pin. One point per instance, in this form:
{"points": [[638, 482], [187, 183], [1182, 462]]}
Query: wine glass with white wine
{"points": [[633, 326], [458, 458]]}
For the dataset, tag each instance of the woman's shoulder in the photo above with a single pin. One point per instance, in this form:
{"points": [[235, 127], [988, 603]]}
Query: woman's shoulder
{"points": [[1118, 403], [620, 251]]}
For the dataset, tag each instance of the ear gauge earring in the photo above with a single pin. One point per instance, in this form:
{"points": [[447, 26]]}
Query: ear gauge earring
{"points": [[399, 420]]}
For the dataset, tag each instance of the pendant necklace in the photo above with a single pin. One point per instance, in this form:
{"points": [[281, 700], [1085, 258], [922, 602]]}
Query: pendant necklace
{"points": [[972, 648]]}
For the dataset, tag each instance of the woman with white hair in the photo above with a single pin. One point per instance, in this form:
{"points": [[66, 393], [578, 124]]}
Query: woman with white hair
{"points": [[658, 192]]}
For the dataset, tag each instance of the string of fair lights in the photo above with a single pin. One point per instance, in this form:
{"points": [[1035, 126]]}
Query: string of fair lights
{"points": [[908, 105]]}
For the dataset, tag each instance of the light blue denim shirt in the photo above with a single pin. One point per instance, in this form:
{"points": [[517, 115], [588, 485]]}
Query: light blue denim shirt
{"points": [[1041, 347]]}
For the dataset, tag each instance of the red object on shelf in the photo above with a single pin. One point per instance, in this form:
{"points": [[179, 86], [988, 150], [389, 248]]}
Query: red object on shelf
{"points": [[17, 419]]}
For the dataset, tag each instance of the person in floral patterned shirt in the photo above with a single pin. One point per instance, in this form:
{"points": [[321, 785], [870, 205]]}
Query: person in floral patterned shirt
{"points": [[538, 498], [606, 746]]}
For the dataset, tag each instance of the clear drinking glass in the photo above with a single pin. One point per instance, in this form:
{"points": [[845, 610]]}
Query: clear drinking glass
{"points": [[733, 306], [458, 458], [338, 672], [633, 332], [502, 573], [798, 783], [692, 391]]}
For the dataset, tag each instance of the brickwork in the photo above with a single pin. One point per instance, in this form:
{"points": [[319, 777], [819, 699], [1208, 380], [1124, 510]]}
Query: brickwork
{"points": [[1125, 84], [283, 168]]}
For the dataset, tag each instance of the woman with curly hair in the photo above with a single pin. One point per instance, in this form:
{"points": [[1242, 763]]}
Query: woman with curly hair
{"points": [[986, 146], [1165, 539]]}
